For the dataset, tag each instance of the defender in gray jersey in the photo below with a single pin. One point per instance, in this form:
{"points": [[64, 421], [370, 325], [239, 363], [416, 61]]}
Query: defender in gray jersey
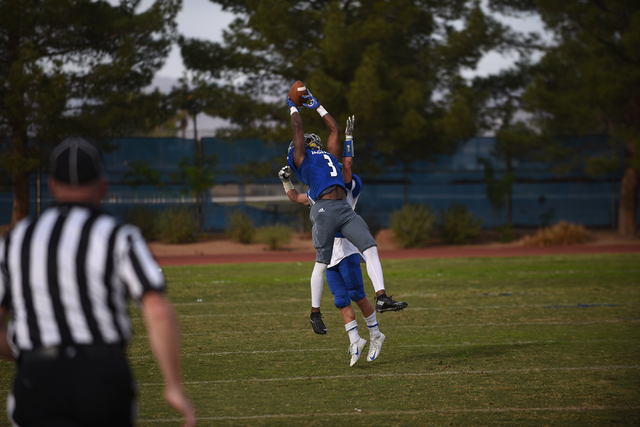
{"points": [[331, 213], [64, 280]]}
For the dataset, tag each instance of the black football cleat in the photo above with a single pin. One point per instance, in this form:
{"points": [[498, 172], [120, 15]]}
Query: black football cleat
{"points": [[317, 324], [385, 303]]}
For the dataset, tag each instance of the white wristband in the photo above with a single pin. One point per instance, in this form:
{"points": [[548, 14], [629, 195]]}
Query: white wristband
{"points": [[322, 111], [287, 186], [293, 110]]}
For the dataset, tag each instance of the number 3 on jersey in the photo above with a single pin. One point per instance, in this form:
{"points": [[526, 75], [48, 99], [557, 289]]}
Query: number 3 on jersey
{"points": [[334, 172]]}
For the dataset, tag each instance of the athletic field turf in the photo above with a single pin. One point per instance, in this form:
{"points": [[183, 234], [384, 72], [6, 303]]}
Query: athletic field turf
{"points": [[536, 341]]}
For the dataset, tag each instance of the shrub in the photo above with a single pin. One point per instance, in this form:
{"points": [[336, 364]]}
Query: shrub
{"points": [[304, 221], [145, 219], [240, 228], [178, 225], [374, 223], [274, 236], [459, 226], [412, 226], [562, 233], [505, 233]]}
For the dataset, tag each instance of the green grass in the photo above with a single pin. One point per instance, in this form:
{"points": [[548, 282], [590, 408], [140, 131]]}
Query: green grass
{"points": [[536, 341]]}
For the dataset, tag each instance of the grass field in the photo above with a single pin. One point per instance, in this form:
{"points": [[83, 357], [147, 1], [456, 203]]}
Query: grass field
{"points": [[536, 341]]}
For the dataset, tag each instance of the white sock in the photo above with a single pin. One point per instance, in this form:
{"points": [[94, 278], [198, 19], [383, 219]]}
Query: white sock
{"points": [[317, 283], [352, 330], [374, 269], [372, 324]]}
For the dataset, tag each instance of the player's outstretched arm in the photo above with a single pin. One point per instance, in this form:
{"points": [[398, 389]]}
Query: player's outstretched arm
{"points": [[298, 133], [162, 326], [292, 193], [347, 154], [333, 142]]}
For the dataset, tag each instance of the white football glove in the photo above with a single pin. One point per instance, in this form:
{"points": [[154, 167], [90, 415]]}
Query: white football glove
{"points": [[285, 177], [348, 131], [348, 137], [285, 174]]}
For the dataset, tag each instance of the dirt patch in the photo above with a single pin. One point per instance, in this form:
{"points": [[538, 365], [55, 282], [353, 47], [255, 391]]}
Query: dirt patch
{"points": [[218, 244], [216, 249]]}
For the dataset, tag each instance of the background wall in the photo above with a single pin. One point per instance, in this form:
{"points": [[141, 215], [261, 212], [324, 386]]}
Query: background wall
{"points": [[540, 197]]}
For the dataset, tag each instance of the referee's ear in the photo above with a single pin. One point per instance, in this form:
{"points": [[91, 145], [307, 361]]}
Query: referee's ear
{"points": [[51, 183]]}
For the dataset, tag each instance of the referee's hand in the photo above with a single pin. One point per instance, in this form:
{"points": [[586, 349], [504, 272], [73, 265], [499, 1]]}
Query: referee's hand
{"points": [[178, 400]]}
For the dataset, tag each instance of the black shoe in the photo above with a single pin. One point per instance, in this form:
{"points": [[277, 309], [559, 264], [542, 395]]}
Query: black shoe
{"points": [[317, 324], [385, 303]]}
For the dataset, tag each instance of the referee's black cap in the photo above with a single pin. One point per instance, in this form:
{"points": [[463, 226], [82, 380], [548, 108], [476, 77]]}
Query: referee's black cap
{"points": [[76, 161]]}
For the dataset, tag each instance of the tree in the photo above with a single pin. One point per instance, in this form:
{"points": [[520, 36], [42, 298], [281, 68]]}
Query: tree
{"points": [[501, 112], [394, 64], [198, 176], [76, 67], [211, 71], [199, 93], [588, 83], [140, 174]]}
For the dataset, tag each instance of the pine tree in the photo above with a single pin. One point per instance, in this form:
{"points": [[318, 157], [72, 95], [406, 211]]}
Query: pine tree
{"points": [[76, 67], [395, 65], [588, 83]]}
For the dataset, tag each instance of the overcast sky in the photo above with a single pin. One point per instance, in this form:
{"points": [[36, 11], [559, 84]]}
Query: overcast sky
{"points": [[204, 19], [199, 19]]}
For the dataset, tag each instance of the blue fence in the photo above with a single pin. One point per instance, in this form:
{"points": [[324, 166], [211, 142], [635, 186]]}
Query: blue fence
{"points": [[539, 196]]}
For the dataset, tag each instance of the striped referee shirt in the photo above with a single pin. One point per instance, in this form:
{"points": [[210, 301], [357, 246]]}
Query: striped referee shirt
{"points": [[66, 277]]}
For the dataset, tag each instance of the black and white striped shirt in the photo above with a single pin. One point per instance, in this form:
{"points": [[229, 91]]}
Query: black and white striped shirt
{"points": [[66, 277]]}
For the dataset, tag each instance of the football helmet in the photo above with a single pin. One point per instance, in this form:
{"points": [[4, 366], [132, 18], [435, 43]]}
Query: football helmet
{"points": [[311, 141]]}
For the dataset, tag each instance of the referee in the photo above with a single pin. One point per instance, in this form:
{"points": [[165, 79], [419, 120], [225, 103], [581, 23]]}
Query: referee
{"points": [[65, 279]]}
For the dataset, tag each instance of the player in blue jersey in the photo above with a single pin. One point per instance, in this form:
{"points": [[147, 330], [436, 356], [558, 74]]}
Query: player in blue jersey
{"points": [[344, 275], [327, 222]]}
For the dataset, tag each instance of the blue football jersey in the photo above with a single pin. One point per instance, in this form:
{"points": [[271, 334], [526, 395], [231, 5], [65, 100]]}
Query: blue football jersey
{"points": [[319, 170], [354, 188]]}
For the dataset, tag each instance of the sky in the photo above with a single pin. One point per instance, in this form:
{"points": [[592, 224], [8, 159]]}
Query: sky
{"points": [[204, 19], [201, 19]]}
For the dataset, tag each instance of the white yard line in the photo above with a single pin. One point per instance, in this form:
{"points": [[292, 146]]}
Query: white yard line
{"points": [[632, 270], [242, 302], [302, 350], [478, 307], [315, 415], [407, 374], [592, 322], [467, 325]]}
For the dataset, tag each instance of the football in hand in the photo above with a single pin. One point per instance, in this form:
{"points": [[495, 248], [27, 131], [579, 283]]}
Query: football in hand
{"points": [[295, 93]]}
